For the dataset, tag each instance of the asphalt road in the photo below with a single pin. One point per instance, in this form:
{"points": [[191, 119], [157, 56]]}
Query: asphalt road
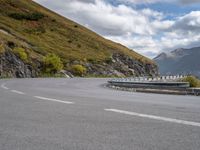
{"points": [[81, 114]]}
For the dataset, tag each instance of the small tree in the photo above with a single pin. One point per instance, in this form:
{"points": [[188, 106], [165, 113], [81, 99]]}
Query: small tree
{"points": [[52, 63], [78, 70]]}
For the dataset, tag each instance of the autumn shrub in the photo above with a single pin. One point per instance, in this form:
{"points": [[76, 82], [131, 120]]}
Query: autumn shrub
{"points": [[194, 82], [52, 63], [78, 70], [1, 48], [21, 53]]}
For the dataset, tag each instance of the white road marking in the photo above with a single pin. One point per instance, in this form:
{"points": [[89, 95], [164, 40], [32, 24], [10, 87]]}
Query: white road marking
{"points": [[53, 100], [197, 124], [18, 92], [4, 87]]}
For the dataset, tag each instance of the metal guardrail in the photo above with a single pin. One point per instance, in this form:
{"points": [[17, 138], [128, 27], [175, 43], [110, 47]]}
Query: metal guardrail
{"points": [[164, 84], [148, 82], [150, 79]]}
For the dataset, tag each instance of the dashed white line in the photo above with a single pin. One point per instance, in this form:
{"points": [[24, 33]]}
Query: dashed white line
{"points": [[197, 124], [4, 87], [53, 100], [18, 92]]}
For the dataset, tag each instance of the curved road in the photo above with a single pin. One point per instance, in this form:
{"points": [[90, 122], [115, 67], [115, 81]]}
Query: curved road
{"points": [[82, 114]]}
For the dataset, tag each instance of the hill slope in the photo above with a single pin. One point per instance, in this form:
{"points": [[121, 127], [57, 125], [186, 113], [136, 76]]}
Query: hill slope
{"points": [[26, 27], [180, 61]]}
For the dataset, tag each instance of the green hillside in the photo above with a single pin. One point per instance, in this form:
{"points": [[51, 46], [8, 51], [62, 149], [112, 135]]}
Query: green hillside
{"points": [[39, 31]]}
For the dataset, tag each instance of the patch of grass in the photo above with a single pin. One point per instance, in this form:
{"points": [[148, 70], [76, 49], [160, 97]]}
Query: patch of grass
{"points": [[21, 53], [109, 60], [51, 75], [36, 31], [194, 82], [5, 77], [101, 76], [27, 16]]}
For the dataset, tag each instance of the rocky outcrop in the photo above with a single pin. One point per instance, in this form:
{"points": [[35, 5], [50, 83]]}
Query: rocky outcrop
{"points": [[12, 66], [122, 65]]}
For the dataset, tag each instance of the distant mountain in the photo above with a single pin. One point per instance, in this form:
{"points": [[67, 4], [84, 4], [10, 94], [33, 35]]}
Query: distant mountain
{"points": [[28, 32], [180, 61]]}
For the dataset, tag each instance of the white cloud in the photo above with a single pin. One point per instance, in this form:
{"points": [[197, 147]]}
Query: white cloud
{"points": [[189, 1], [152, 14], [145, 30], [184, 2], [107, 19], [143, 1], [143, 44], [188, 23], [162, 26]]}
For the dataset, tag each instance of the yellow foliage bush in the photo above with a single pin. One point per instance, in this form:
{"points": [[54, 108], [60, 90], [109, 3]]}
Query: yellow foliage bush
{"points": [[78, 70], [21, 53], [194, 82], [1, 48], [52, 63]]}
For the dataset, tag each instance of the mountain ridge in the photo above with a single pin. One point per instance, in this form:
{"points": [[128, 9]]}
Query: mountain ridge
{"points": [[180, 61]]}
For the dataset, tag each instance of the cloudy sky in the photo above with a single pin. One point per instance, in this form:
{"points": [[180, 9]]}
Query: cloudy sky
{"points": [[147, 26]]}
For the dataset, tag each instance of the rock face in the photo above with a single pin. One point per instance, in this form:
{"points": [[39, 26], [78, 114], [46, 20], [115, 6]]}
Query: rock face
{"points": [[122, 65], [180, 61], [13, 66]]}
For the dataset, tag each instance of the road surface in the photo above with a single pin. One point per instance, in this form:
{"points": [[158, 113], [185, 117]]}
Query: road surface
{"points": [[82, 114]]}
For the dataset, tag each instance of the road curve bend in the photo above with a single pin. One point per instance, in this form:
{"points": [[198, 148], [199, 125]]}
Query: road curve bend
{"points": [[83, 114]]}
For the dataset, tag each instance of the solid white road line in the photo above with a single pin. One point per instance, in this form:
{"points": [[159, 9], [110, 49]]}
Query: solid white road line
{"points": [[53, 100], [4, 87], [18, 92], [197, 124]]}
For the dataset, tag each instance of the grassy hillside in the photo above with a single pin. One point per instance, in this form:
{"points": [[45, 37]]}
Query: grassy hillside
{"points": [[40, 31]]}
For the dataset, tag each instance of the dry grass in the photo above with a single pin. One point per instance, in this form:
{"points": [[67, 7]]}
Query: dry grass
{"points": [[56, 34]]}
